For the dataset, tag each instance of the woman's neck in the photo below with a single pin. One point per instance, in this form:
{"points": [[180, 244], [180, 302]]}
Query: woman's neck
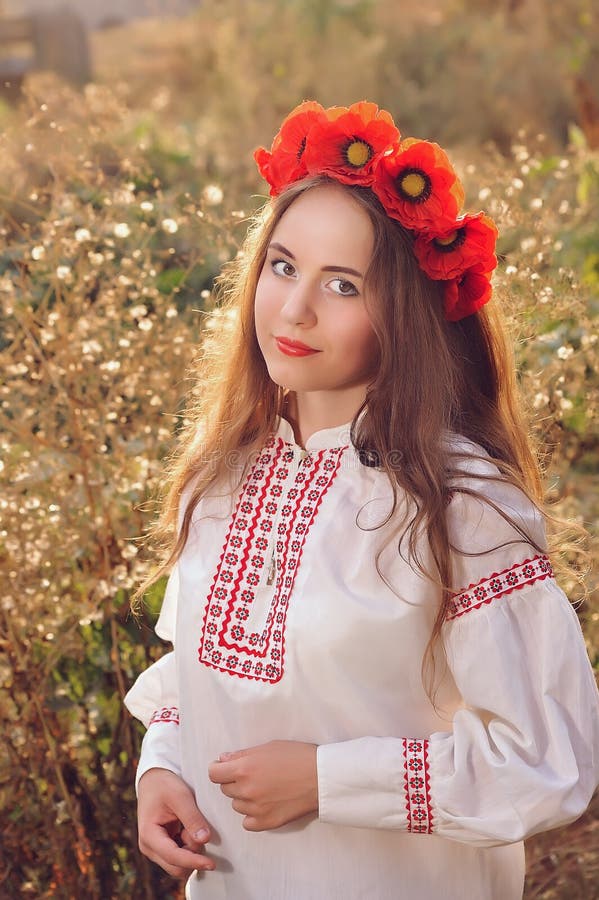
{"points": [[310, 412]]}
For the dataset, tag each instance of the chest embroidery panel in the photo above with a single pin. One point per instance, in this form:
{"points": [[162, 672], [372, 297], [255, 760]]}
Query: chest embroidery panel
{"points": [[277, 506]]}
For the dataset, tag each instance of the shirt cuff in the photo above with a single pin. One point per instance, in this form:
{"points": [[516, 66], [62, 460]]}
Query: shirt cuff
{"points": [[376, 782], [160, 747]]}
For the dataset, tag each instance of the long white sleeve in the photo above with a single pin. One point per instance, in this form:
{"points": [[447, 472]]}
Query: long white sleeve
{"points": [[522, 755], [154, 696]]}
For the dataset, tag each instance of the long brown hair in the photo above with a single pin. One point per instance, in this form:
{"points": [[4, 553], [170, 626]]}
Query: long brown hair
{"points": [[434, 377]]}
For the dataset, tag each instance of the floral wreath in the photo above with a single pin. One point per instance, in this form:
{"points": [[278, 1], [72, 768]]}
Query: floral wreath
{"points": [[413, 179]]}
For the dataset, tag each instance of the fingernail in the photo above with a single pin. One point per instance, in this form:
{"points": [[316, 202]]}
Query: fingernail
{"points": [[224, 757], [201, 835]]}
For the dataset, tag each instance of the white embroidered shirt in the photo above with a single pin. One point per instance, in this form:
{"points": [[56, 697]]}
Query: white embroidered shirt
{"points": [[283, 629]]}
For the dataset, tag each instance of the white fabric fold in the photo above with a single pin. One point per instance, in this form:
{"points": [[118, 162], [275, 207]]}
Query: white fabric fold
{"points": [[361, 783]]}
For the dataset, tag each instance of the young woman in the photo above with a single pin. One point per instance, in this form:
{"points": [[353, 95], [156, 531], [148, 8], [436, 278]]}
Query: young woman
{"points": [[377, 689]]}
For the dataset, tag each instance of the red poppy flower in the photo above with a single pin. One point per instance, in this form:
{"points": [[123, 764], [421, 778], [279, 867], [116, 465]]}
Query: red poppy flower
{"points": [[418, 186], [447, 254], [349, 142], [285, 163], [466, 294]]}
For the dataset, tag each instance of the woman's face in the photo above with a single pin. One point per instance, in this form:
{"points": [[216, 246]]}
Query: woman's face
{"points": [[311, 290]]}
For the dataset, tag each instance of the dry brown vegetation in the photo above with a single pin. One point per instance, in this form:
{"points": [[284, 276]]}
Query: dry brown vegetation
{"points": [[118, 205]]}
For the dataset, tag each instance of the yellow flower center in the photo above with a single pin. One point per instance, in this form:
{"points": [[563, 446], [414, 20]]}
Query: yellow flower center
{"points": [[414, 184], [450, 242], [446, 241], [358, 153]]}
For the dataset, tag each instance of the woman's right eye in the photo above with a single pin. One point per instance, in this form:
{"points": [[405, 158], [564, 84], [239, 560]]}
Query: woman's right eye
{"points": [[283, 267]]}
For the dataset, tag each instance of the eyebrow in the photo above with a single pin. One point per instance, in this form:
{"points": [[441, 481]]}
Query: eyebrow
{"points": [[345, 269]]}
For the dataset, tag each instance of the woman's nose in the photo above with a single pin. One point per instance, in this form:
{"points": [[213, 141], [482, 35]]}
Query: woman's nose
{"points": [[298, 308]]}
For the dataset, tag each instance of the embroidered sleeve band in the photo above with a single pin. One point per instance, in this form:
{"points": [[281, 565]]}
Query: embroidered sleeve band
{"points": [[500, 583], [166, 714], [417, 786]]}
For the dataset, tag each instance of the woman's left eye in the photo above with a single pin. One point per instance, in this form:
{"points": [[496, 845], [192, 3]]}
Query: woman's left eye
{"points": [[343, 287]]}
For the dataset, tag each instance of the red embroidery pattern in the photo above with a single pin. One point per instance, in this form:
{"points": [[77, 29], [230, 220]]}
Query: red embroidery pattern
{"points": [[417, 786], [166, 714], [227, 643], [498, 584]]}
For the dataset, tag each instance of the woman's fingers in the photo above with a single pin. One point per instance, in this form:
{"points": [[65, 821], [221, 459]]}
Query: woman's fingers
{"points": [[182, 803], [172, 830], [191, 842], [222, 771], [162, 849], [231, 789], [244, 807]]}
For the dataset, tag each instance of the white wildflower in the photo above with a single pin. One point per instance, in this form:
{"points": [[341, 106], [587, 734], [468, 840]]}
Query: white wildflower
{"points": [[212, 195], [170, 226]]}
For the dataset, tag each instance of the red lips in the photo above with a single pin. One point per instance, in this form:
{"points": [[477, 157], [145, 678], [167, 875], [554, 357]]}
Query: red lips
{"points": [[293, 348]]}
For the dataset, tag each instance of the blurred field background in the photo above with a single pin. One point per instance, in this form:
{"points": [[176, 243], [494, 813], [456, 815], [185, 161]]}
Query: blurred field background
{"points": [[118, 204]]}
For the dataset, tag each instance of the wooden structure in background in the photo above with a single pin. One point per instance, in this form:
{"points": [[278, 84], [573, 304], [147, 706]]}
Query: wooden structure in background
{"points": [[55, 40]]}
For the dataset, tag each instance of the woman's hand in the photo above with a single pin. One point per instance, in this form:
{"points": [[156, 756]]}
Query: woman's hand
{"points": [[172, 830], [271, 784]]}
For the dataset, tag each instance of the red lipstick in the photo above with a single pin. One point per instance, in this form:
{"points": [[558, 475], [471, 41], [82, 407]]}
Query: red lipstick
{"points": [[293, 348]]}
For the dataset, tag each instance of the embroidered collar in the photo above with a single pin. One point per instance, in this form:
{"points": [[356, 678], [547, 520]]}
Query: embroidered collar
{"points": [[326, 438]]}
